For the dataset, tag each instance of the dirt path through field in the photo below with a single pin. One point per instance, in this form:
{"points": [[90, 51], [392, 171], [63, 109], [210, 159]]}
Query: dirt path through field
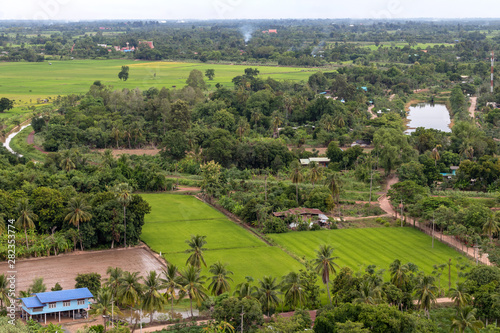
{"points": [[472, 108]]}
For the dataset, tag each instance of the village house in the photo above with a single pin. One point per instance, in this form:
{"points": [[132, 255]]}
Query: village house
{"points": [[68, 302], [322, 161]]}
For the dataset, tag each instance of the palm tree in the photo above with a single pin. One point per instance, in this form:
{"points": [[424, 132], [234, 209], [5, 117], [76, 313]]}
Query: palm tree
{"points": [[276, 122], [67, 163], [171, 283], [123, 194], [130, 290], [315, 172], [196, 244], [116, 134], [328, 123], [460, 296], [334, 184], [435, 154], [399, 272], [77, 213], [324, 265], [256, 115], [113, 282], [466, 319], [220, 279], [296, 177], [491, 226], [4, 291], [243, 127], [26, 218], [192, 283], [103, 305], [245, 289], [426, 292], [339, 120], [368, 293], [267, 293], [293, 290], [152, 299]]}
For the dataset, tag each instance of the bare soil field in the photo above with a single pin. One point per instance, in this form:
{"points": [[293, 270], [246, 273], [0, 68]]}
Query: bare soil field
{"points": [[64, 268]]}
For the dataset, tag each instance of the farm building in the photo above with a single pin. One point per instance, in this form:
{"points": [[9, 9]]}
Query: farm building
{"points": [[68, 302], [323, 161], [305, 213]]}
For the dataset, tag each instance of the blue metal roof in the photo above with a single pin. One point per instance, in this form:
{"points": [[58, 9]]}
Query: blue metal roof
{"points": [[64, 295], [32, 302]]}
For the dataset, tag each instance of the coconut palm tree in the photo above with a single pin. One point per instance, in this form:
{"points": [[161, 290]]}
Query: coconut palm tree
{"points": [[220, 279], [4, 291], [130, 290], [243, 127], [276, 122], [426, 292], [255, 116], [196, 244], [171, 282], [192, 283], [296, 177], [334, 184], [491, 226], [435, 154], [245, 289], [152, 299], [123, 193], [324, 264], [368, 293], [399, 274], [67, 162], [26, 218], [267, 293], [113, 282], [315, 172], [460, 296], [293, 290], [77, 213], [466, 319], [103, 305]]}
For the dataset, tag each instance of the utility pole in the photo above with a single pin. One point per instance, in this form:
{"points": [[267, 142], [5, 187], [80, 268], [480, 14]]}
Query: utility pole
{"points": [[371, 178], [112, 312], [492, 68], [242, 314], [401, 212], [432, 229]]}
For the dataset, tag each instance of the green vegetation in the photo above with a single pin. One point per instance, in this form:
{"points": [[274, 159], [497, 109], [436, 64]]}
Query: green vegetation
{"points": [[358, 248], [21, 146], [31, 81]]}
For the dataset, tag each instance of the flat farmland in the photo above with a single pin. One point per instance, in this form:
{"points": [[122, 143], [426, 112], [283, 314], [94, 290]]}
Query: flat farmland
{"points": [[64, 268], [358, 248], [25, 81], [174, 218]]}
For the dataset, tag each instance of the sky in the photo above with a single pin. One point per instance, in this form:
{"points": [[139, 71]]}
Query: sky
{"points": [[244, 9]]}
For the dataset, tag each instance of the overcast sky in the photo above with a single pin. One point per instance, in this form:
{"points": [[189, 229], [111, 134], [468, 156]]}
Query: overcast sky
{"points": [[245, 9]]}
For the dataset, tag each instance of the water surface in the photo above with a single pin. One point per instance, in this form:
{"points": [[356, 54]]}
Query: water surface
{"points": [[427, 115]]}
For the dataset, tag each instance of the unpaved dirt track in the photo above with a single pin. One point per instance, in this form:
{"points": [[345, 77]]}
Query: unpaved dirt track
{"points": [[472, 108], [64, 268]]}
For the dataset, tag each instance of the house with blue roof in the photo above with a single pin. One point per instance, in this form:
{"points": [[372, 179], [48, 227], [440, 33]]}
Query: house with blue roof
{"points": [[68, 302]]}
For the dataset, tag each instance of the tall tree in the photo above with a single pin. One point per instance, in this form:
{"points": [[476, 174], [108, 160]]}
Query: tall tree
{"points": [[315, 172], [268, 291], [103, 305], [195, 80], [26, 218], [152, 299], [296, 177], [130, 289], [113, 282], [171, 282], [210, 73], [426, 292], [324, 264], [465, 319], [192, 282], [220, 279], [293, 290], [78, 213], [196, 244], [123, 193], [491, 226], [123, 74]]}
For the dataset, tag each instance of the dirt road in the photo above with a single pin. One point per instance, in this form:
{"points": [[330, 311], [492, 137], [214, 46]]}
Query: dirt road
{"points": [[472, 108]]}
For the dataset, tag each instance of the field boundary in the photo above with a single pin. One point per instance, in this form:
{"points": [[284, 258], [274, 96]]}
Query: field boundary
{"points": [[232, 218]]}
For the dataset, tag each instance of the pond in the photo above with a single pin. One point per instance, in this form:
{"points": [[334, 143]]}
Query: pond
{"points": [[427, 115]]}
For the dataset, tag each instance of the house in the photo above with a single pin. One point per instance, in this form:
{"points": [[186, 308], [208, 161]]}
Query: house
{"points": [[323, 161], [55, 302], [148, 43], [305, 214], [453, 172]]}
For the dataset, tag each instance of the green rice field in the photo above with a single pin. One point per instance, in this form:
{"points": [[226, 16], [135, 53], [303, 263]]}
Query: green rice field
{"points": [[358, 248], [174, 218], [27, 81]]}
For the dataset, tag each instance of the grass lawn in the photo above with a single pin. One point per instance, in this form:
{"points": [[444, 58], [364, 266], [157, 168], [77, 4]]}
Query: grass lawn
{"points": [[31, 80], [21, 146], [358, 248]]}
